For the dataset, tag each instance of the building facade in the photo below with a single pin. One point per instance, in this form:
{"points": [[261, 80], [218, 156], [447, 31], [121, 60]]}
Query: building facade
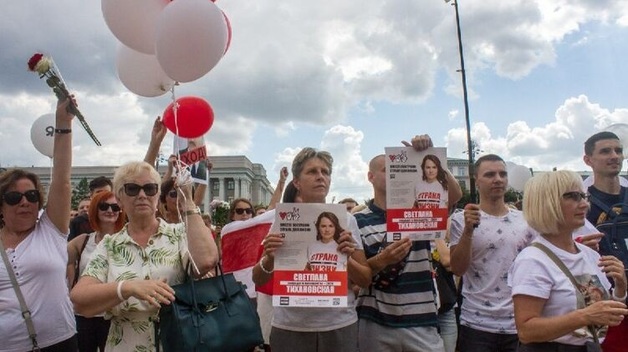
{"points": [[231, 177]]}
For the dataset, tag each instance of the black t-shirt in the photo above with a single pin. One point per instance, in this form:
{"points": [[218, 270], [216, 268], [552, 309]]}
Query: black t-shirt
{"points": [[609, 199], [79, 225]]}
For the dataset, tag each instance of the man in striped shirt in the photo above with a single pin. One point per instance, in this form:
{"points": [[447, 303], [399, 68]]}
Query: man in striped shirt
{"points": [[397, 312]]}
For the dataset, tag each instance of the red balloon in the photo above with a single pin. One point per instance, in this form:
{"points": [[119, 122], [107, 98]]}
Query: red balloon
{"points": [[194, 117]]}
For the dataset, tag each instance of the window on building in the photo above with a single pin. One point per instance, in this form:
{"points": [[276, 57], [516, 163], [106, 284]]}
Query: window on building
{"points": [[230, 185], [462, 171], [216, 186]]}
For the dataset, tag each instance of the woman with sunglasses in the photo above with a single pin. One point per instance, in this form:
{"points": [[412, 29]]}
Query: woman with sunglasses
{"points": [[241, 209], [130, 273], [105, 217], [551, 313], [36, 249]]}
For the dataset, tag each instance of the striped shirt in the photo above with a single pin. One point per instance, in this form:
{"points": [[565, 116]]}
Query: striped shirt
{"points": [[409, 300]]}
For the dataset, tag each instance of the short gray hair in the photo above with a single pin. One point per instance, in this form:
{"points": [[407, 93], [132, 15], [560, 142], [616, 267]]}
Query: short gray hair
{"points": [[306, 154]]}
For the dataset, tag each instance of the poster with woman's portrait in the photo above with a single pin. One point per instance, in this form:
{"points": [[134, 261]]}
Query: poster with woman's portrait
{"points": [[309, 270], [416, 193]]}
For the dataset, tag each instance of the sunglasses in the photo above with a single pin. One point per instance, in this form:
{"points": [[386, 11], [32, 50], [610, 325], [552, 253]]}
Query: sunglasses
{"points": [[172, 193], [13, 198], [104, 206], [576, 196], [241, 211], [133, 189]]}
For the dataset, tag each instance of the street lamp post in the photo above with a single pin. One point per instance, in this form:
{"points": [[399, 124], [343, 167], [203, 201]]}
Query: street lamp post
{"points": [[470, 150]]}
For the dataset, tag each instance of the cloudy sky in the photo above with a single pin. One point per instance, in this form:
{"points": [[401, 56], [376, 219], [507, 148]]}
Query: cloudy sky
{"points": [[348, 76]]}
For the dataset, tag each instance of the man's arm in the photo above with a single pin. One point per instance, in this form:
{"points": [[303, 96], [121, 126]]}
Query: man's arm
{"points": [[156, 137], [461, 252]]}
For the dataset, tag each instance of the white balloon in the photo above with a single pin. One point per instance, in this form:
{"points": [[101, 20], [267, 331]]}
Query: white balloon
{"points": [[133, 22], [621, 130], [191, 38], [518, 175], [42, 134], [141, 73]]}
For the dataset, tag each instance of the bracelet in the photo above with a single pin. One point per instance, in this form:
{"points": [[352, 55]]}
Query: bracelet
{"points": [[261, 265], [197, 210], [63, 130], [119, 291], [620, 299]]}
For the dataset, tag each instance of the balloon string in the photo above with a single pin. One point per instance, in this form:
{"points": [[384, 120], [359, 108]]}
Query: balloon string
{"points": [[177, 165]]}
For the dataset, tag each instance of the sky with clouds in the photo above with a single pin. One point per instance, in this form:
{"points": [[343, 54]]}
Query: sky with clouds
{"points": [[347, 76]]}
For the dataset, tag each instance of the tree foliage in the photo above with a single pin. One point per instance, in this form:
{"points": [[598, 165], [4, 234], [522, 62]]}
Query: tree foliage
{"points": [[80, 191]]}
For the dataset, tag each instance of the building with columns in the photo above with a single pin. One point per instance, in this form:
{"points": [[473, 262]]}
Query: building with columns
{"points": [[231, 177]]}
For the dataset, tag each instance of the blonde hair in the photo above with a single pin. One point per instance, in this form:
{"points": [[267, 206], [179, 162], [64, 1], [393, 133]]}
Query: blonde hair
{"points": [[127, 172], [542, 199]]}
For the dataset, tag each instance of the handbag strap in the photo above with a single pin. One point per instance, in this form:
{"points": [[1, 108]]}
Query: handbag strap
{"points": [[26, 313], [563, 268], [77, 266]]}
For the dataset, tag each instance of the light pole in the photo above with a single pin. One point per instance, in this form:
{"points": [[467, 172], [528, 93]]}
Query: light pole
{"points": [[470, 150]]}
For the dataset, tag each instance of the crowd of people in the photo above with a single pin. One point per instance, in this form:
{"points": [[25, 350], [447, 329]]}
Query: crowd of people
{"points": [[541, 279]]}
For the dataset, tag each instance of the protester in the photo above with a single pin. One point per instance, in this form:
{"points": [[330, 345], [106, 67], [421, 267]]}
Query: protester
{"points": [[485, 239], [37, 251], [350, 203], [241, 209], [397, 311], [105, 217], [546, 313], [604, 153], [130, 273], [315, 329], [80, 223]]}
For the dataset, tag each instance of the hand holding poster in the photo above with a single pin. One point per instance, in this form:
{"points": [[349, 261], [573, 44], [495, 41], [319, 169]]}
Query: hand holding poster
{"points": [[416, 193], [309, 270]]}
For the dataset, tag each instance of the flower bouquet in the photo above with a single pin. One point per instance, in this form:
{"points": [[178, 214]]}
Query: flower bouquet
{"points": [[45, 67]]}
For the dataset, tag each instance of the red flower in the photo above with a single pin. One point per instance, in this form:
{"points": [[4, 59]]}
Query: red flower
{"points": [[32, 63]]}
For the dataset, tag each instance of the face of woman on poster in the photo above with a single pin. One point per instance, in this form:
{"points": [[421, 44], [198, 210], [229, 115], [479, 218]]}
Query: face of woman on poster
{"points": [[430, 170], [326, 229]]}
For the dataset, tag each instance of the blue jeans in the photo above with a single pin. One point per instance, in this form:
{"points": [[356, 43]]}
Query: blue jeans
{"points": [[473, 340], [448, 329]]}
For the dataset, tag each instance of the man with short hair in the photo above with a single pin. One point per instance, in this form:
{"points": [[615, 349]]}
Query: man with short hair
{"points": [[397, 312], [350, 203], [603, 152], [485, 239], [99, 184]]}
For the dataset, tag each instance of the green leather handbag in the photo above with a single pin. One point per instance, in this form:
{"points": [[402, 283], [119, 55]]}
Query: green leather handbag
{"points": [[213, 314]]}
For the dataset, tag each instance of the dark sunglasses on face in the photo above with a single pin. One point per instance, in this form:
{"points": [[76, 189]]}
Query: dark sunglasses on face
{"points": [[104, 206], [576, 196], [133, 189], [241, 211], [172, 193], [13, 198]]}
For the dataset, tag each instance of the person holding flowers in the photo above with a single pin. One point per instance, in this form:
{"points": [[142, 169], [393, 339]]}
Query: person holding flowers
{"points": [[34, 251]]}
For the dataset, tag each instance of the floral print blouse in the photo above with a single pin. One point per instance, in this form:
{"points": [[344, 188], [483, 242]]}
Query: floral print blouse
{"points": [[118, 257]]}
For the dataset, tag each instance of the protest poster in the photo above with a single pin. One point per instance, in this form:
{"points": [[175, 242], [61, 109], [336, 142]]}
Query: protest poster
{"points": [[309, 271], [416, 193], [192, 154]]}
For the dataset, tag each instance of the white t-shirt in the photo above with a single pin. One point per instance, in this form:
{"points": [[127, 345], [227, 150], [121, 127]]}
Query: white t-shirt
{"points": [[86, 255], [534, 274], [487, 303], [321, 319], [325, 257], [430, 195], [39, 263]]}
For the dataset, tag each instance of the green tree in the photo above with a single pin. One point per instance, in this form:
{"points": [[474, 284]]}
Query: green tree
{"points": [[80, 191]]}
